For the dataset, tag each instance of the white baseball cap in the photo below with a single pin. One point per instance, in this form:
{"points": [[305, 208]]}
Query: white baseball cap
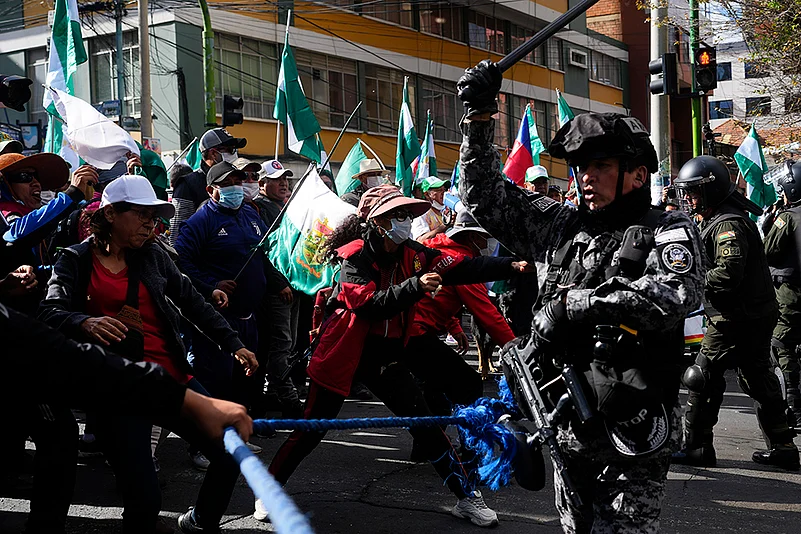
{"points": [[136, 190], [273, 169]]}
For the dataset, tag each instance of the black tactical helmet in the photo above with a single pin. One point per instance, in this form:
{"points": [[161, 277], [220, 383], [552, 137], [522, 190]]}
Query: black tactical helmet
{"points": [[790, 182], [604, 135], [709, 179]]}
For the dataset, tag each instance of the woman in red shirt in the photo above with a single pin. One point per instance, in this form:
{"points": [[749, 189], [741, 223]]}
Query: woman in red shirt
{"points": [[112, 289]]}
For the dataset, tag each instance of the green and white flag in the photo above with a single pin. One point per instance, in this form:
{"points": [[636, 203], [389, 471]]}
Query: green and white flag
{"points": [[565, 113], [66, 53], [408, 145], [751, 162], [193, 156], [537, 147], [292, 109], [296, 245], [427, 162], [350, 166]]}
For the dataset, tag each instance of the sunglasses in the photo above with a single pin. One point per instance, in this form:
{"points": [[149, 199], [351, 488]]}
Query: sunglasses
{"points": [[24, 177], [401, 215]]}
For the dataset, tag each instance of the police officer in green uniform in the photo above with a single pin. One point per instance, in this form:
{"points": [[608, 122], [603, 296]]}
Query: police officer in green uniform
{"points": [[784, 258], [595, 281], [740, 305]]}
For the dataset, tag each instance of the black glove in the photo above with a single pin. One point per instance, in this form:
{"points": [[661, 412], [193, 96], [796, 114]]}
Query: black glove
{"points": [[550, 322], [478, 87]]}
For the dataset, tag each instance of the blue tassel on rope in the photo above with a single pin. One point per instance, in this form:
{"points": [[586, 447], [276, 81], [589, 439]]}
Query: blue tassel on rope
{"points": [[495, 445], [506, 396]]}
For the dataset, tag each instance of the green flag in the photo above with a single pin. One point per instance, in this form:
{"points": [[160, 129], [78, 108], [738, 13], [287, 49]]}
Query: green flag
{"points": [[751, 162], [292, 109], [350, 166], [565, 113], [193, 156], [66, 53], [408, 145], [427, 162]]}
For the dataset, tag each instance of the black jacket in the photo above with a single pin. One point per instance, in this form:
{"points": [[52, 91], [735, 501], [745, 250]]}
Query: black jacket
{"points": [[64, 307], [40, 364]]}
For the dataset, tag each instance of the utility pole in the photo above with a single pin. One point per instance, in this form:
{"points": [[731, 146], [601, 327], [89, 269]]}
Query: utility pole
{"points": [[660, 107], [696, 100], [119, 12], [146, 120], [208, 65]]}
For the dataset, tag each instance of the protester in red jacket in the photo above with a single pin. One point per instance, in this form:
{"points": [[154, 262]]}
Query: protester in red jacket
{"points": [[384, 274]]}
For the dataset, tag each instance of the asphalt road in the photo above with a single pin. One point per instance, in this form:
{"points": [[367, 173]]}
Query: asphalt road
{"points": [[360, 482]]}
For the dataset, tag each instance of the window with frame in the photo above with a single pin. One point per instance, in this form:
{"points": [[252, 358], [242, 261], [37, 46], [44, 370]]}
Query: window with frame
{"points": [[721, 109], [724, 71], [36, 70], [446, 108], [103, 71], [383, 97], [605, 69], [442, 19], [758, 106], [544, 116], [556, 54], [519, 35], [330, 86], [485, 32], [752, 70], [502, 122], [397, 12], [246, 68]]}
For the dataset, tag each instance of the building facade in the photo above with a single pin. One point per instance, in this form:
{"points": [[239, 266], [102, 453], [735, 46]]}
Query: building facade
{"points": [[346, 51]]}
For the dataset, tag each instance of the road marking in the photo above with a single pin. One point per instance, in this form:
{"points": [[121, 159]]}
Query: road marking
{"points": [[373, 435], [762, 506], [394, 461], [726, 394], [360, 445]]}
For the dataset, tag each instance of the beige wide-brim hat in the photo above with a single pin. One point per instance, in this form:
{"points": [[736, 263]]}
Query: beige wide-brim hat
{"points": [[370, 166]]}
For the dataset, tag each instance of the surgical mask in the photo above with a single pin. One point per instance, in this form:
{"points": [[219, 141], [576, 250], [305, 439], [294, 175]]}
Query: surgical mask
{"points": [[251, 190], [229, 158], [373, 181], [231, 197], [489, 250], [437, 206], [400, 231]]}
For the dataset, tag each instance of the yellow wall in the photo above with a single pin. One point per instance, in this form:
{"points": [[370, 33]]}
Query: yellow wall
{"points": [[604, 93], [35, 13]]}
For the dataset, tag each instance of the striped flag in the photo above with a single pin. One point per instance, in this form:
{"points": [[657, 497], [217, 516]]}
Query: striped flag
{"points": [[66, 53], [751, 162], [292, 109], [426, 163], [565, 113], [350, 165], [526, 150], [408, 145]]}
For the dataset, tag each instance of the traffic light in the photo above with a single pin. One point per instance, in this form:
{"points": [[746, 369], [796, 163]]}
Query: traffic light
{"points": [[665, 68], [232, 110], [706, 69]]}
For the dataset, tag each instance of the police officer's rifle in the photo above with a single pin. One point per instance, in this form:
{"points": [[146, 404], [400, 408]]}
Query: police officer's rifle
{"points": [[522, 365]]}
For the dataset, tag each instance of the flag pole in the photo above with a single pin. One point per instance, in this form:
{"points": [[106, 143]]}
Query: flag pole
{"points": [[383, 167], [286, 41], [312, 165], [182, 154]]}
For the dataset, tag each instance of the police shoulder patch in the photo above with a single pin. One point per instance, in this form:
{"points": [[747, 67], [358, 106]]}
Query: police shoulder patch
{"points": [[544, 203], [677, 258], [726, 236], [779, 222]]}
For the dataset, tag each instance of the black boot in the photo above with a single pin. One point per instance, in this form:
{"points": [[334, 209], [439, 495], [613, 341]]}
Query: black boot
{"points": [[783, 456], [794, 411], [703, 456]]}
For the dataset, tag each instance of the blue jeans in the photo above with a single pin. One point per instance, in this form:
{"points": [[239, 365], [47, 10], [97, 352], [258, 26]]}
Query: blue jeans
{"points": [[126, 443]]}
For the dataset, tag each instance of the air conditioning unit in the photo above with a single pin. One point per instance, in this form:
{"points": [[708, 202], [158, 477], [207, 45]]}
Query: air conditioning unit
{"points": [[578, 58]]}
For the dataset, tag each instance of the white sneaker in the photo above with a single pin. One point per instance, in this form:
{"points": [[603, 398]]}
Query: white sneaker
{"points": [[255, 449], [473, 508], [199, 461], [261, 512]]}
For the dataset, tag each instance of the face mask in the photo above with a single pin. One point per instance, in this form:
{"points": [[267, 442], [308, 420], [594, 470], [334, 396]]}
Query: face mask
{"points": [[492, 245], [373, 181], [401, 230], [251, 190], [229, 158], [231, 197], [437, 206]]}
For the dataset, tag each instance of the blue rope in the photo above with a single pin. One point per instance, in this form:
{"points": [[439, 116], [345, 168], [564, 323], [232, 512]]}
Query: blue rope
{"points": [[284, 515], [324, 425]]}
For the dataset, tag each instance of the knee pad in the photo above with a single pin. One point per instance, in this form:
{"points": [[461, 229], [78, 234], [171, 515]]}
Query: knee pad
{"points": [[697, 377]]}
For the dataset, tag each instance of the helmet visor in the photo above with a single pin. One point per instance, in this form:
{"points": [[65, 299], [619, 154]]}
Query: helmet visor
{"points": [[691, 198]]}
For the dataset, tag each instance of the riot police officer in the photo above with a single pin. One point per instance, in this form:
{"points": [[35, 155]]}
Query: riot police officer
{"points": [[641, 290], [784, 258], [740, 305]]}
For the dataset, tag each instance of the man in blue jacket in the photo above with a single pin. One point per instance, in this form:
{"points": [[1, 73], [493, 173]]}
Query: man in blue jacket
{"points": [[213, 246]]}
